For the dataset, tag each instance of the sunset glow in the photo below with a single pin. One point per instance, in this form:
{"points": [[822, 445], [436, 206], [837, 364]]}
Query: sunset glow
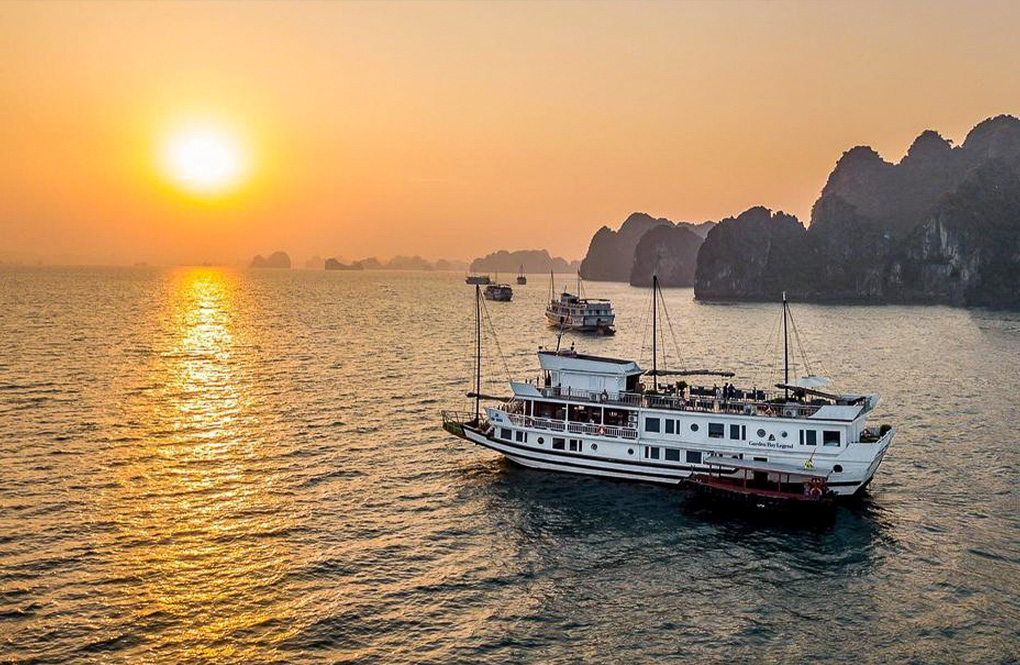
{"points": [[203, 159]]}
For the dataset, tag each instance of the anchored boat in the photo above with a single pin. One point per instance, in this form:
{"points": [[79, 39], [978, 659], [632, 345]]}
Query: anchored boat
{"points": [[610, 417], [521, 279], [499, 292], [574, 312], [478, 279]]}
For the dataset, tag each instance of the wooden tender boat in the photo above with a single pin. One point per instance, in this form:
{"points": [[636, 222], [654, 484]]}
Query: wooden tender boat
{"points": [[763, 484]]}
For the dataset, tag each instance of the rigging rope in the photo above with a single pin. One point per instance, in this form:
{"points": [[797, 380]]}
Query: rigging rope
{"points": [[672, 334], [492, 331]]}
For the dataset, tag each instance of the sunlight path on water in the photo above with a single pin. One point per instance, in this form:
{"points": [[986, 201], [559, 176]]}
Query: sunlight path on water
{"points": [[210, 465]]}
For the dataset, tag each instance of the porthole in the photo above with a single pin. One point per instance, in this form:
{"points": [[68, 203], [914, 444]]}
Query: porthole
{"points": [[761, 433], [630, 451], [694, 427], [838, 468], [594, 446], [541, 440], [782, 434]]}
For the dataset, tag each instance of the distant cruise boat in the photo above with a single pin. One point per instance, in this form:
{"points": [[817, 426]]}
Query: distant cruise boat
{"points": [[477, 279], [521, 279], [572, 312], [609, 417], [500, 292]]}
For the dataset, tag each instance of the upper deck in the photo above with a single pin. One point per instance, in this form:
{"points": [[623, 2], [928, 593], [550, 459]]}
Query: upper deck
{"points": [[581, 378]]}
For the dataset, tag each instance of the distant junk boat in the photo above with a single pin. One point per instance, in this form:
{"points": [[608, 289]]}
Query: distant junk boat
{"points": [[521, 279], [478, 279], [574, 312], [499, 292], [793, 447]]}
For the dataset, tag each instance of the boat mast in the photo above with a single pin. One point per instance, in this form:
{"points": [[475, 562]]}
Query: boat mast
{"points": [[655, 354], [478, 349], [786, 351]]}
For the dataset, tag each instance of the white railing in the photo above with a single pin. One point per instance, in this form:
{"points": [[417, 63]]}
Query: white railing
{"points": [[700, 403], [574, 428]]}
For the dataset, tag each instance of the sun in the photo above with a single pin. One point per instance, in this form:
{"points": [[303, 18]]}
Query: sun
{"points": [[204, 159]]}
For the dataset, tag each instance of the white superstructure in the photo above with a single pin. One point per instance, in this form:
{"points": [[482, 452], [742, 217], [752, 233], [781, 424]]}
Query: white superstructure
{"points": [[571, 312], [592, 415]]}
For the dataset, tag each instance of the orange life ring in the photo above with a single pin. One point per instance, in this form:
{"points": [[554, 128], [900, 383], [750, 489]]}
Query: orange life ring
{"points": [[815, 492]]}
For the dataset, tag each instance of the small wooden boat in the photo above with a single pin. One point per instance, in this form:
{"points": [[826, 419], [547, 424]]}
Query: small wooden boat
{"points": [[478, 279], [521, 279], [763, 484]]}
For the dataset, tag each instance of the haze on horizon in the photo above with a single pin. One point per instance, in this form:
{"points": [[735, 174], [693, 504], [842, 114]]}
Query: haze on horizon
{"points": [[450, 130]]}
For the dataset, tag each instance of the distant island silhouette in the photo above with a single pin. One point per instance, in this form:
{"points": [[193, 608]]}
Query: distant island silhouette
{"points": [[532, 260], [396, 263], [275, 260]]}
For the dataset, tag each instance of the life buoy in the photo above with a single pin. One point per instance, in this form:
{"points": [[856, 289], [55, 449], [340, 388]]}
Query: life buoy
{"points": [[815, 492]]}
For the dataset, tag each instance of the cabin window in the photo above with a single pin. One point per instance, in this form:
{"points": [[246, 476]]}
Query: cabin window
{"points": [[830, 437], [809, 437], [670, 426], [617, 417], [519, 435], [651, 424], [652, 452], [716, 430], [575, 445], [838, 468], [550, 410], [541, 440], [558, 443], [585, 414], [594, 446], [694, 457], [761, 434], [735, 432], [505, 433], [672, 455], [694, 427]]}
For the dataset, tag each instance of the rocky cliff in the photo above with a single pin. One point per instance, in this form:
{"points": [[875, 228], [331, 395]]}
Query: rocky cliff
{"points": [[671, 252], [611, 253], [757, 254], [936, 227]]}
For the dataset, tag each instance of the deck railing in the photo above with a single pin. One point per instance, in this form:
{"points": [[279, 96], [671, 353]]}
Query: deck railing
{"points": [[574, 428], [698, 403]]}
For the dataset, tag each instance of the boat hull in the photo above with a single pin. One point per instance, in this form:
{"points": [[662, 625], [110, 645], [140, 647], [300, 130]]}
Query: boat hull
{"points": [[638, 470], [602, 327]]}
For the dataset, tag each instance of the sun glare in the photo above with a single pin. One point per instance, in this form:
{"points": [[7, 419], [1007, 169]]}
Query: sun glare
{"points": [[204, 159]]}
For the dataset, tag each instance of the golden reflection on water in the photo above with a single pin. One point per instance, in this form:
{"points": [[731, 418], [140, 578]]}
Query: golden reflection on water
{"points": [[190, 493]]}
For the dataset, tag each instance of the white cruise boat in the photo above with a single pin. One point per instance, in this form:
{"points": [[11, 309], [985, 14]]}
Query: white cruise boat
{"points": [[594, 415], [574, 312]]}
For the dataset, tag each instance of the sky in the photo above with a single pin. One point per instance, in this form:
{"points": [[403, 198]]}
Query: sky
{"points": [[450, 130]]}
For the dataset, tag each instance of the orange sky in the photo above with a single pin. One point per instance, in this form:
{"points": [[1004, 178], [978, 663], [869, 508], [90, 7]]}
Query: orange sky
{"points": [[454, 129]]}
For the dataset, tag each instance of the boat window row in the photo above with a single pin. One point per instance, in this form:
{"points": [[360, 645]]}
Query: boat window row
{"points": [[736, 432], [715, 430], [809, 437], [581, 413], [507, 434], [673, 454], [559, 443]]}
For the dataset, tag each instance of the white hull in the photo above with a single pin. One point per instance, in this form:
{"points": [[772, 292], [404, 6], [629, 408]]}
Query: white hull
{"points": [[855, 476]]}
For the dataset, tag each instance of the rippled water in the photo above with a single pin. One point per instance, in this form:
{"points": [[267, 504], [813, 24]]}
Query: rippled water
{"points": [[203, 465]]}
